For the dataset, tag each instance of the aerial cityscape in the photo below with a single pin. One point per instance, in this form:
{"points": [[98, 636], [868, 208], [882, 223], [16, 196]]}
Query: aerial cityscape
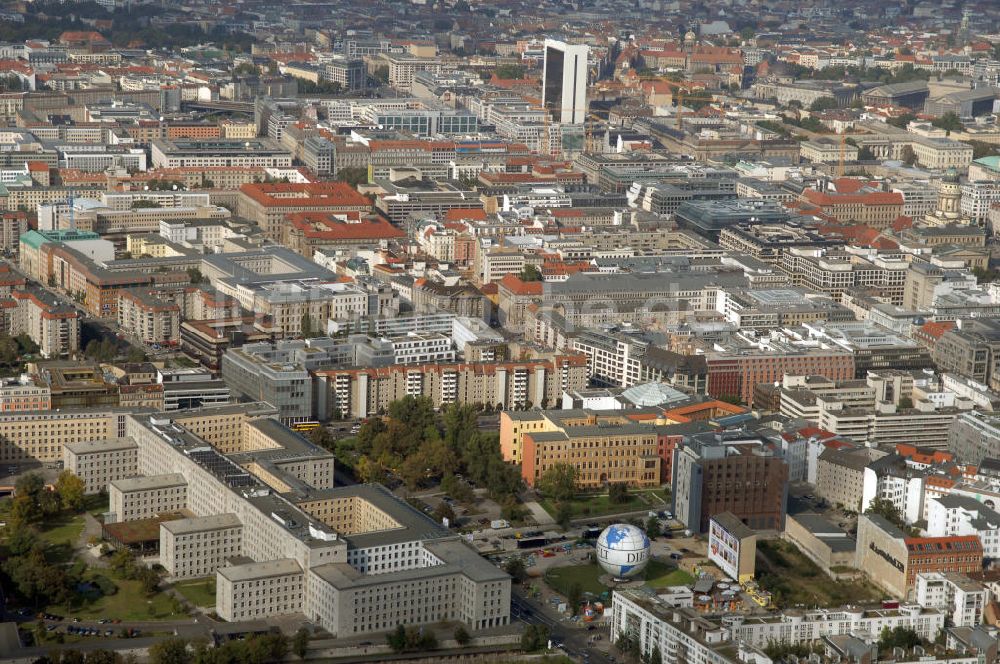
{"points": [[569, 331]]}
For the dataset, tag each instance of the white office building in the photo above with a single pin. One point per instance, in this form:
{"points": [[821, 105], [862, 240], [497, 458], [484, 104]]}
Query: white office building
{"points": [[956, 594], [564, 81]]}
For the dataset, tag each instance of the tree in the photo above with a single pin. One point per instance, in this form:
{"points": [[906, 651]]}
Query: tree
{"points": [[949, 122], [654, 656], [71, 490], [396, 639], [573, 598], [653, 529], [508, 72], [531, 273], [866, 154], [512, 510], [901, 121], [564, 515], [558, 481], [49, 503], [300, 643], [534, 638], [135, 355], [98, 657], [515, 567], [629, 645], [245, 69], [195, 275], [322, 437], [444, 511], [897, 637], [30, 485], [353, 175], [307, 326], [457, 489], [823, 104], [148, 579], [370, 471], [618, 493], [462, 636], [907, 155], [169, 651]]}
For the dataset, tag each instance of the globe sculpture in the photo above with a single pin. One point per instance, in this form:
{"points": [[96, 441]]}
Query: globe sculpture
{"points": [[623, 550]]}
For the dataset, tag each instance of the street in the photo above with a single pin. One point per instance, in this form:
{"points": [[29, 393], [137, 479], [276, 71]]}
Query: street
{"points": [[574, 640]]}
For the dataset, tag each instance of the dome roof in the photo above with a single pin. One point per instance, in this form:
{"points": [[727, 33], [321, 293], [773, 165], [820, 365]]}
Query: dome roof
{"points": [[653, 394], [951, 175], [690, 36]]}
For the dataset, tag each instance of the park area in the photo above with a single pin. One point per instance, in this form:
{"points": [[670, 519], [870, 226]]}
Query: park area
{"points": [[590, 504], [794, 580], [658, 574], [48, 566], [200, 592]]}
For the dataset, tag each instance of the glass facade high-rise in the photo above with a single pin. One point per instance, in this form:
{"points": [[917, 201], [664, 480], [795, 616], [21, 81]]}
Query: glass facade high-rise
{"points": [[564, 81]]}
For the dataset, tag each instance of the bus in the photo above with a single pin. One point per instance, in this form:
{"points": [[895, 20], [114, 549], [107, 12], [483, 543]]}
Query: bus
{"points": [[305, 426]]}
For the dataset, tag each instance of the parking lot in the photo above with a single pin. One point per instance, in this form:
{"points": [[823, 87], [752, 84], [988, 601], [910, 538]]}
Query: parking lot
{"points": [[11, 472]]}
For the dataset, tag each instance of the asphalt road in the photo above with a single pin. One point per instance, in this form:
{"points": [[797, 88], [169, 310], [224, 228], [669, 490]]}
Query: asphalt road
{"points": [[574, 641]]}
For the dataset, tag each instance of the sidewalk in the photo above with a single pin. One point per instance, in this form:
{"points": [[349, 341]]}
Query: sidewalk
{"points": [[539, 514]]}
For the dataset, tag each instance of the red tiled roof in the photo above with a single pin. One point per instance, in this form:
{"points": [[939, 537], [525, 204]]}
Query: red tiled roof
{"points": [[515, 285], [325, 226], [462, 214], [873, 198], [934, 329]]}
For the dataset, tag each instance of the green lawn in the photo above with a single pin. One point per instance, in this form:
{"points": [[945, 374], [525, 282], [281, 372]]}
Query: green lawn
{"points": [[129, 603], [60, 535], [660, 575], [794, 579], [63, 528], [585, 505], [200, 592], [561, 579]]}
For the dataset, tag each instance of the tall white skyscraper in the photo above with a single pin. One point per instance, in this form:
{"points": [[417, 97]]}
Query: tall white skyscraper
{"points": [[564, 81]]}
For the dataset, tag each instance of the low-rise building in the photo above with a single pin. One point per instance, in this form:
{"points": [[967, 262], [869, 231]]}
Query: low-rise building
{"points": [[198, 546], [892, 559], [823, 542], [100, 462], [23, 394], [145, 497], [253, 591]]}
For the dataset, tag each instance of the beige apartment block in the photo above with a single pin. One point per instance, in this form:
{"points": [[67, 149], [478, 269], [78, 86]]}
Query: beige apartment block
{"points": [[199, 546], [40, 436], [259, 590], [100, 462], [145, 497]]}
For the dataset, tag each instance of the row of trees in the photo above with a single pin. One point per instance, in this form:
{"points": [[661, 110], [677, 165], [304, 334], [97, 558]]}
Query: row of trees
{"points": [[106, 350], [13, 350], [37, 580], [559, 483], [255, 649], [411, 639], [32, 501], [323, 87], [423, 447]]}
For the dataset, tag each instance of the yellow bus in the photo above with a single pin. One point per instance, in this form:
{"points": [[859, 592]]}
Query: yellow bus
{"points": [[305, 426]]}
